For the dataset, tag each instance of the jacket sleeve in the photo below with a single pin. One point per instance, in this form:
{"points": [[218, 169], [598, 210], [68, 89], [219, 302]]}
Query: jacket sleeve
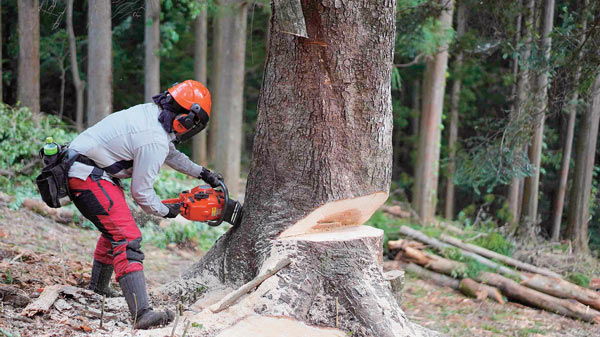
{"points": [[146, 164], [182, 163]]}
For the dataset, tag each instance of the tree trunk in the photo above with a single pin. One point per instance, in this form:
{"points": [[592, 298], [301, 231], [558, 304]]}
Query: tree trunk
{"points": [[514, 191], [531, 189], [151, 49], [28, 81], [559, 201], [426, 180], [99, 95], [563, 289], [416, 106], [199, 146], [228, 101], [453, 130], [1, 81], [579, 205], [77, 82], [321, 166], [61, 104]]}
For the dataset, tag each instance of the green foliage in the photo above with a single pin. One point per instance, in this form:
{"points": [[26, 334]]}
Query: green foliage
{"points": [[579, 279], [200, 234], [472, 267], [22, 135], [495, 242]]}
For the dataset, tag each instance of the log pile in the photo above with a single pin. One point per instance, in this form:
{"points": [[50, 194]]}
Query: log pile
{"points": [[536, 287]]}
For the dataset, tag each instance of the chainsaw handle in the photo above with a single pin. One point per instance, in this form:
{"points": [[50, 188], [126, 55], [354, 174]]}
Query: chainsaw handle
{"points": [[215, 223]]}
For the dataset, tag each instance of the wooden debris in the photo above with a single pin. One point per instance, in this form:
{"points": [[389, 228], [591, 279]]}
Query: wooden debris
{"points": [[400, 244], [441, 246], [61, 215], [563, 289], [534, 298], [44, 302], [434, 262], [480, 291], [437, 278], [396, 211], [396, 279], [13, 295], [595, 283], [499, 257], [232, 297]]}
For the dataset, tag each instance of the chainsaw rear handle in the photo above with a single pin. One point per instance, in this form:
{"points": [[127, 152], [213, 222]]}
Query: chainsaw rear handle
{"points": [[215, 223]]}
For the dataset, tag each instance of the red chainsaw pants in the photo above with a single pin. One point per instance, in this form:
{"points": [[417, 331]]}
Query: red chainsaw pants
{"points": [[103, 203]]}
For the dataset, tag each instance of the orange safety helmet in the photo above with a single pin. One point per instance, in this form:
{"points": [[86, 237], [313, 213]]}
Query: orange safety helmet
{"points": [[193, 97]]}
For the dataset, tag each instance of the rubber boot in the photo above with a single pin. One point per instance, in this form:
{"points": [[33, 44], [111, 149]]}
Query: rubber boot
{"points": [[134, 289], [100, 282]]}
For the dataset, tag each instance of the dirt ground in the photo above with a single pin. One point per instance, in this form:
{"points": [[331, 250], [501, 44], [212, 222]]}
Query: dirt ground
{"points": [[36, 252]]}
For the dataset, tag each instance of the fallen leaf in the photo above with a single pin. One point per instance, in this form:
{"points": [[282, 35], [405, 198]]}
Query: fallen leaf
{"points": [[85, 328]]}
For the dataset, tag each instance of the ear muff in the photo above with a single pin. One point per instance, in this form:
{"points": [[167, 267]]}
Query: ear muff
{"points": [[196, 118]]}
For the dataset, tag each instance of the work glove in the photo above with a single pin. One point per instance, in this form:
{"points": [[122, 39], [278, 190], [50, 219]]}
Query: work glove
{"points": [[174, 210], [210, 177]]}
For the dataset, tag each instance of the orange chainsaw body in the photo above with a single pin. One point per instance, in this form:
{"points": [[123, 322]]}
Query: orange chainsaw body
{"points": [[201, 203]]}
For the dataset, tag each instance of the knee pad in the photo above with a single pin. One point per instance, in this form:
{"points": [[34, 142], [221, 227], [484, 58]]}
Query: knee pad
{"points": [[133, 251]]}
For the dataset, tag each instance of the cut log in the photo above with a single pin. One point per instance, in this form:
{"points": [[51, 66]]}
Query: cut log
{"points": [[395, 278], [480, 291], [534, 298], [434, 262], [13, 295], [437, 278], [499, 257], [563, 289], [399, 244], [44, 302], [396, 211], [232, 297], [441, 246], [61, 215]]}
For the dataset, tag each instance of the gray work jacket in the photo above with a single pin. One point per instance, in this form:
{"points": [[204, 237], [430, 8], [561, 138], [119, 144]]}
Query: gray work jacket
{"points": [[132, 144]]}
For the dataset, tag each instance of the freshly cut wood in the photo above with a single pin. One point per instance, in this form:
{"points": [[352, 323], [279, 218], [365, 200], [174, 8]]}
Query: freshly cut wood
{"points": [[434, 262], [61, 215], [396, 211], [277, 326], [534, 298], [400, 244], [13, 295], [341, 213], [232, 297], [595, 283], [563, 289], [44, 302], [441, 246], [480, 291], [499, 257]]}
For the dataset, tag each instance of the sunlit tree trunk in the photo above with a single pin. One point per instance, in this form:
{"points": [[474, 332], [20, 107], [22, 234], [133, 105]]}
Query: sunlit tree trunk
{"points": [[434, 83], [77, 82], [455, 97], [151, 49], [531, 189], [568, 139], [228, 84], [199, 146], [100, 63], [514, 192], [579, 204], [28, 80]]}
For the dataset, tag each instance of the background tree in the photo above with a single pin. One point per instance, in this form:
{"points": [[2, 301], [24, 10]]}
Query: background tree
{"points": [[199, 147], [77, 82], [426, 178], [228, 90], [100, 62], [152, 49], [28, 92]]}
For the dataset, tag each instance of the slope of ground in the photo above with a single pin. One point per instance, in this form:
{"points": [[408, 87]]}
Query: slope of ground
{"points": [[36, 252]]}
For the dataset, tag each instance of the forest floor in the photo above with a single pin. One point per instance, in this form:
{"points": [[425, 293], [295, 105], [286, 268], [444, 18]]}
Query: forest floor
{"points": [[36, 252]]}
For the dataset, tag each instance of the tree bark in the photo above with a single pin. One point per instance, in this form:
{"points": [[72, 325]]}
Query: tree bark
{"points": [[199, 147], [151, 49], [563, 289], [228, 100], [455, 97], [531, 189], [579, 205], [1, 81], [77, 82], [321, 166], [479, 291], [28, 80], [559, 201], [426, 180], [100, 63], [514, 191]]}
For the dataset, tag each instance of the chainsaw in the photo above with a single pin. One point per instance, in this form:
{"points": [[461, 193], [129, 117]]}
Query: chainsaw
{"points": [[206, 204]]}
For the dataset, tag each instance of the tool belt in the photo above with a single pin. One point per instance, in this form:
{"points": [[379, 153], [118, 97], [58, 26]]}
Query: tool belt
{"points": [[53, 181]]}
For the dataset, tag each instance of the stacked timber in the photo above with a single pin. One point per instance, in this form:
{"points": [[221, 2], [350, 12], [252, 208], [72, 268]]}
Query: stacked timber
{"points": [[536, 287]]}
